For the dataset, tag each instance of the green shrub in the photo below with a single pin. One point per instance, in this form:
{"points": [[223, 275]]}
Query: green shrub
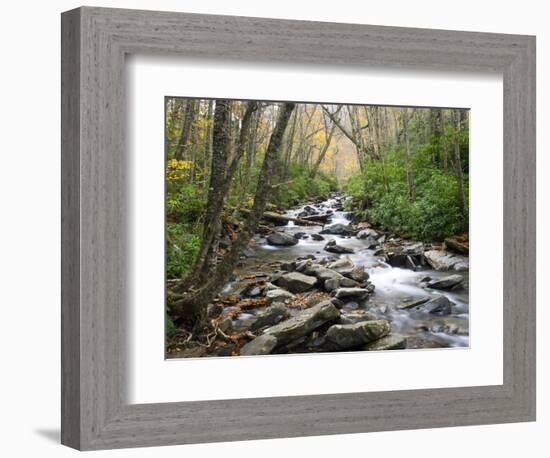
{"points": [[433, 215], [182, 246]]}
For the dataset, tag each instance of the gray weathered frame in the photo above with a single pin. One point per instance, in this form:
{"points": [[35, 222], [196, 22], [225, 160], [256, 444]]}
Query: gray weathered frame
{"points": [[95, 414]]}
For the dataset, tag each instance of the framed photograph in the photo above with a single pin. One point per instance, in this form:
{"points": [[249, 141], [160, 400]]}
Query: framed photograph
{"points": [[278, 228]]}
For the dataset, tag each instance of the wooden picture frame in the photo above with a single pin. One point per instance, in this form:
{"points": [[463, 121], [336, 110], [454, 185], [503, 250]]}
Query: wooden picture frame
{"points": [[95, 413]]}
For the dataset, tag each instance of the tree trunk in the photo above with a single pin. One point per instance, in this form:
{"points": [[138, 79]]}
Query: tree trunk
{"points": [[458, 161], [188, 119], [220, 183], [193, 305], [328, 139], [208, 138], [410, 182]]}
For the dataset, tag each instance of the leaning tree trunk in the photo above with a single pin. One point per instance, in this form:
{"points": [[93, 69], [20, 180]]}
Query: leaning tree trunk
{"points": [[458, 161], [192, 306], [220, 181]]}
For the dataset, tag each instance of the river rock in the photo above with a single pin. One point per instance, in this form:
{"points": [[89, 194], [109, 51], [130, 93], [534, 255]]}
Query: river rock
{"points": [[296, 282], [443, 260], [281, 239], [333, 247], [303, 323], [358, 274], [387, 343], [356, 316], [279, 295], [344, 263], [457, 246], [351, 293], [354, 335], [439, 306], [334, 283], [317, 237], [411, 303], [270, 317], [338, 229], [262, 345], [366, 233], [321, 273], [450, 282]]}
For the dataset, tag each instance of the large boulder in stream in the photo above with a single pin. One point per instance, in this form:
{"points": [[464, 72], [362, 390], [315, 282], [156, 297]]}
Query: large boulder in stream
{"points": [[338, 229], [443, 260], [303, 323], [281, 239], [262, 345], [270, 317], [296, 282], [333, 247], [450, 282], [320, 272], [408, 256], [440, 306], [353, 335]]}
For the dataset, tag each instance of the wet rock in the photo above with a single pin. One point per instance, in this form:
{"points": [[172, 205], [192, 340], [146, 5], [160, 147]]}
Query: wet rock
{"points": [[343, 263], [296, 282], [356, 316], [456, 245], [304, 322], [351, 293], [270, 317], [450, 282], [317, 237], [366, 233], [413, 248], [289, 266], [321, 273], [354, 335], [281, 239], [338, 229], [226, 324], [387, 343], [299, 235], [358, 274], [333, 247], [335, 283], [226, 350], [438, 306], [262, 345], [337, 302], [418, 342], [411, 303], [443, 260], [370, 243], [279, 295]]}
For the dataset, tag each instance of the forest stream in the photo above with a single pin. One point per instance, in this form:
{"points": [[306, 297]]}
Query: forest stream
{"points": [[419, 289]]}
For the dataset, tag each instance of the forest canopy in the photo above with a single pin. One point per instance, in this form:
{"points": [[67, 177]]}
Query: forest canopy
{"points": [[406, 168]]}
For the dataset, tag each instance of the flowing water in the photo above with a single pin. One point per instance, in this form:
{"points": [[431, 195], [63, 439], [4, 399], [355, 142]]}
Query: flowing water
{"points": [[394, 286]]}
